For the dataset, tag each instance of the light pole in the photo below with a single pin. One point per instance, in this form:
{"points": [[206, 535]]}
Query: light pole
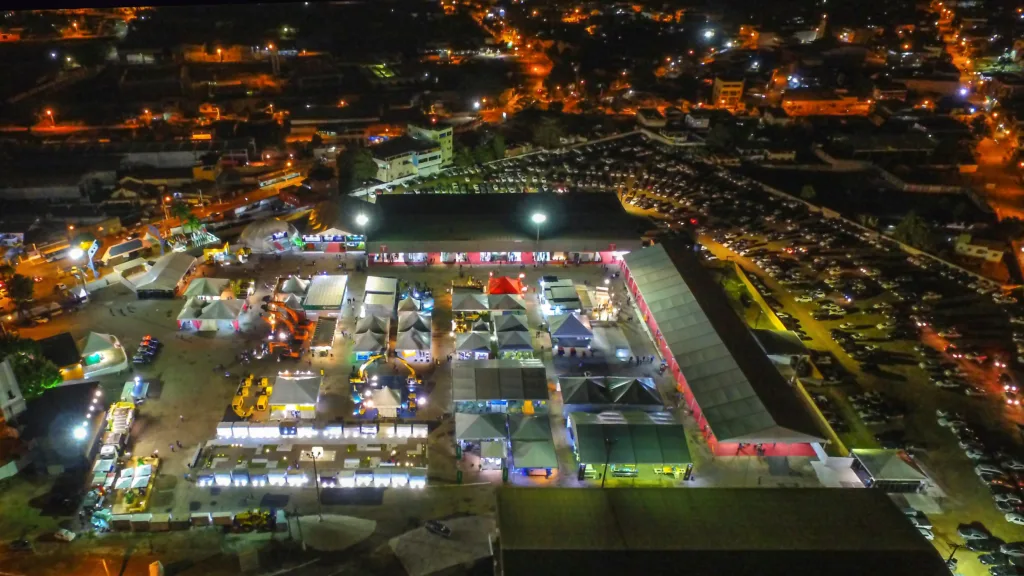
{"points": [[49, 114], [362, 220], [167, 200], [314, 453], [539, 218]]}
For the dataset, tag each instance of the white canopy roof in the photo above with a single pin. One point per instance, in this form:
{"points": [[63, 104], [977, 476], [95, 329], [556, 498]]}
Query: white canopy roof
{"points": [[208, 287], [326, 291], [473, 342], [295, 389], [511, 323], [192, 309], [381, 285], [514, 341], [413, 340], [408, 305], [413, 321], [222, 310], [95, 342], [386, 398], [889, 465], [295, 285], [368, 342], [166, 272], [469, 302], [569, 326], [506, 302], [374, 324]]}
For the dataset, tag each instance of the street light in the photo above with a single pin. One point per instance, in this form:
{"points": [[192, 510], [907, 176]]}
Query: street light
{"points": [[49, 114], [362, 220], [538, 218], [314, 453], [76, 253]]}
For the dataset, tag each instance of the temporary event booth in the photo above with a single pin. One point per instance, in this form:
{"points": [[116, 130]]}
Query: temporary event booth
{"points": [[889, 470], [506, 304], [601, 393], [204, 316], [163, 278], [381, 285], [559, 296], [628, 442], [513, 386], [473, 345], [294, 285], [510, 323], [378, 304], [270, 236], [477, 427], [374, 324], [505, 285], [209, 289], [101, 354], [570, 330], [515, 344], [414, 344], [413, 321], [387, 401], [325, 295], [408, 304], [533, 448], [294, 396], [469, 302], [369, 344]]}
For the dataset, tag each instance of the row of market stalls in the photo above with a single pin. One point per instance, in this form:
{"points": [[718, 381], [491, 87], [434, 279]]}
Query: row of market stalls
{"points": [[414, 329], [319, 296], [380, 297], [162, 278], [371, 336], [515, 441], [738, 397]]}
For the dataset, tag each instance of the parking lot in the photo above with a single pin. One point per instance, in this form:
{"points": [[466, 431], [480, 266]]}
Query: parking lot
{"points": [[899, 340]]}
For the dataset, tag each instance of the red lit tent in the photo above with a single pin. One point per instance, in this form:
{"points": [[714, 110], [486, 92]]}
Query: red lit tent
{"points": [[505, 285]]}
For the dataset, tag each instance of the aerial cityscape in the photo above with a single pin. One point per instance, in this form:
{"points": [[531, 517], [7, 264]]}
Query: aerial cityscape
{"points": [[512, 287]]}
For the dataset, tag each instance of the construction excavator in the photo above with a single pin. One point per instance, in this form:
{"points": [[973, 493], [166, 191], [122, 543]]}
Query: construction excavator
{"points": [[360, 376], [279, 314]]}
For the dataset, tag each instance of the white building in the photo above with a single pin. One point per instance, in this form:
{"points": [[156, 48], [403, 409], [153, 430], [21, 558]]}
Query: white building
{"points": [[11, 401]]}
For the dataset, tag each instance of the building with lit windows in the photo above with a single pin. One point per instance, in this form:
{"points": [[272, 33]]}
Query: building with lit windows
{"points": [[442, 134], [727, 93], [406, 156]]}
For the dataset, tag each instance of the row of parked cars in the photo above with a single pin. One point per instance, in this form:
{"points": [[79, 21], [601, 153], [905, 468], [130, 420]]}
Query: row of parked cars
{"points": [[149, 347]]}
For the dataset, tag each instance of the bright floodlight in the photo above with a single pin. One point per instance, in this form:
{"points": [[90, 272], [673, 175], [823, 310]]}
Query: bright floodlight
{"points": [[362, 219], [709, 34], [76, 253], [79, 433], [539, 218]]}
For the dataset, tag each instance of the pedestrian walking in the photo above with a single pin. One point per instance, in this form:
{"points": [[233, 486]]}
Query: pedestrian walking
{"points": [[172, 447], [178, 442], [181, 417]]}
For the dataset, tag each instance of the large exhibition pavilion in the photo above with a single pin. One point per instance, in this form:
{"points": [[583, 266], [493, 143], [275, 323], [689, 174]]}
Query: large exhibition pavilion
{"points": [[499, 228]]}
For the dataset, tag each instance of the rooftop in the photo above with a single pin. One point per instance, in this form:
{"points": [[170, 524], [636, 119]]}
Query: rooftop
{"points": [[60, 349], [402, 145], [709, 531]]}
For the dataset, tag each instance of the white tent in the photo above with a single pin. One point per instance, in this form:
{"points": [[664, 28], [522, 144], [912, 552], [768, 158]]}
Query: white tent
{"points": [[514, 341], [96, 343], [408, 305], [368, 342], [570, 326], [511, 323], [221, 314], [506, 303], [373, 324], [209, 288], [387, 402], [469, 302], [165, 274], [413, 321], [413, 341], [293, 301], [472, 342], [294, 285]]}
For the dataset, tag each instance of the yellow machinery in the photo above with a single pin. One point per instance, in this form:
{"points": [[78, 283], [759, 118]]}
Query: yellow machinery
{"points": [[252, 521], [360, 377]]}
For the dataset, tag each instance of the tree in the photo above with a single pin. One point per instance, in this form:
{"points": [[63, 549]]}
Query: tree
{"points": [[483, 154], [6, 271], [92, 54], [913, 230], [321, 173], [35, 374], [808, 193], [462, 156], [316, 141], [355, 165], [20, 289], [548, 132], [181, 211], [719, 137], [498, 146]]}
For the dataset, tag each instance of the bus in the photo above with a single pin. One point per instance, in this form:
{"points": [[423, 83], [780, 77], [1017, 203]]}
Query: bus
{"points": [[278, 177]]}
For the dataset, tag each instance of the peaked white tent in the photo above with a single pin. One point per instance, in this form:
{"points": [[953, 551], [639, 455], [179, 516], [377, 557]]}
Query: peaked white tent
{"points": [[514, 341], [207, 288], [469, 302], [368, 342], [413, 321], [294, 285], [412, 342], [473, 345], [570, 327], [408, 305], [511, 323], [506, 303], [293, 301], [374, 324], [221, 315], [387, 401], [101, 354]]}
